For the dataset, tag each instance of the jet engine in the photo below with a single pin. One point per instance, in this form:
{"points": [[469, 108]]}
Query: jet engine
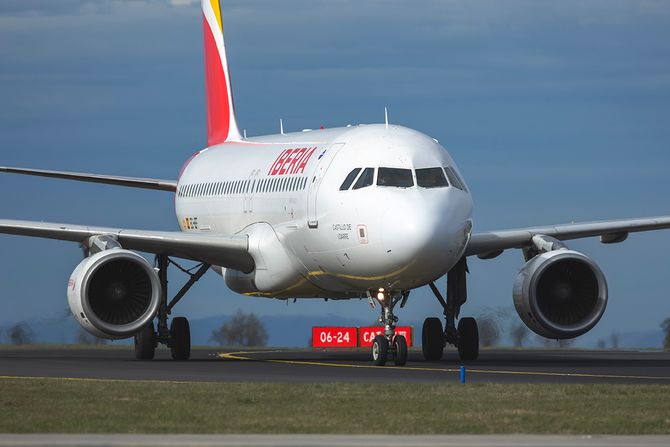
{"points": [[114, 293], [560, 293]]}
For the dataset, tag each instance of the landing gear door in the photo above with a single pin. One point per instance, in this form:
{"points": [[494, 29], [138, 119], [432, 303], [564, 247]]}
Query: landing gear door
{"points": [[326, 157]]}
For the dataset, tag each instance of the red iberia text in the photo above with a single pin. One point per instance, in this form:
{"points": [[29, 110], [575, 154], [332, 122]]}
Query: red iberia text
{"points": [[292, 161]]}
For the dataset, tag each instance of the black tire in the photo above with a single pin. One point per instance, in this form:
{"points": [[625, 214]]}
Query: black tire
{"points": [[145, 343], [432, 339], [468, 339], [380, 350], [180, 338], [399, 350]]}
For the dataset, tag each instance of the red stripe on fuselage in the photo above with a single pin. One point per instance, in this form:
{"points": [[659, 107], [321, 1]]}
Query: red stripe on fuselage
{"points": [[218, 112]]}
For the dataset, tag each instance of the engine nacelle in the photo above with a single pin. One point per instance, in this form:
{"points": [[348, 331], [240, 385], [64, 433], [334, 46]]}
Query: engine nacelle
{"points": [[114, 293], [560, 294]]}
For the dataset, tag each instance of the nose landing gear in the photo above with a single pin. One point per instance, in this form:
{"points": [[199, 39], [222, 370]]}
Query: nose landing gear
{"points": [[399, 350], [466, 336], [389, 342], [380, 349]]}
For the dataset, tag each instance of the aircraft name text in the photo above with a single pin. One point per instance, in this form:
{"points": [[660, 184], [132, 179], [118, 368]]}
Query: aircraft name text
{"points": [[291, 161]]}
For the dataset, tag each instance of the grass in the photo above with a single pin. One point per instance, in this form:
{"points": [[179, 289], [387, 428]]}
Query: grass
{"points": [[97, 406]]}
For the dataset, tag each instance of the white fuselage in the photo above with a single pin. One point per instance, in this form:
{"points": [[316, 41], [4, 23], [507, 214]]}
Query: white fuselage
{"points": [[310, 238]]}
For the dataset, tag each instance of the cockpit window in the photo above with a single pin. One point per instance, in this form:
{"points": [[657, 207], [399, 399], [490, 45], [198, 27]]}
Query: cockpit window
{"points": [[431, 178], [400, 178], [365, 179], [350, 179], [454, 179]]}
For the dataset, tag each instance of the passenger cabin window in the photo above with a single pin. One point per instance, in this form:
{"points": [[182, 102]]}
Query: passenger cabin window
{"points": [[454, 179], [350, 179], [399, 178], [366, 178], [258, 186], [431, 178]]}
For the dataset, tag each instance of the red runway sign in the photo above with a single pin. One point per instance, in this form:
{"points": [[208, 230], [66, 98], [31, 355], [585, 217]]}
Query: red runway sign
{"points": [[334, 337], [366, 335], [351, 337]]}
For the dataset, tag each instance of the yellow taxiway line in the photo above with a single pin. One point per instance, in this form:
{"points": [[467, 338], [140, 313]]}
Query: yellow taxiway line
{"points": [[245, 355], [98, 379]]}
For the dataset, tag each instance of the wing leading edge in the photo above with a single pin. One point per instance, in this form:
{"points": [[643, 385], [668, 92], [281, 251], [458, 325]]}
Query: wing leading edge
{"points": [[230, 251], [490, 244], [133, 182]]}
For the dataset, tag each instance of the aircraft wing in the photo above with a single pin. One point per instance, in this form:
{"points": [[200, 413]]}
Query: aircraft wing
{"points": [[133, 182], [490, 244], [229, 251]]}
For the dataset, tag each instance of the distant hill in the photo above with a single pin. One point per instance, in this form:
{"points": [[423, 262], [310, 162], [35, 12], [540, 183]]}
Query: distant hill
{"points": [[285, 331], [627, 340], [295, 331]]}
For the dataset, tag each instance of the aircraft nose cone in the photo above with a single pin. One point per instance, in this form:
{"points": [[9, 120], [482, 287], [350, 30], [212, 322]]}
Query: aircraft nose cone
{"points": [[423, 237], [409, 231]]}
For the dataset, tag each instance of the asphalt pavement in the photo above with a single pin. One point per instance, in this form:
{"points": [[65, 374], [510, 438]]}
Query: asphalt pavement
{"points": [[301, 365]]}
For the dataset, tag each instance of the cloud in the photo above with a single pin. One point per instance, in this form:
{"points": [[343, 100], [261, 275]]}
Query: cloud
{"points": [[79, 7], [346, 51], [456, 16], [40, 7]]}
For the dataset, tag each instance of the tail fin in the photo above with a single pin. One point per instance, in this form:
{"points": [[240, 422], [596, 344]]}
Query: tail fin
{"points": [[221, 123]]}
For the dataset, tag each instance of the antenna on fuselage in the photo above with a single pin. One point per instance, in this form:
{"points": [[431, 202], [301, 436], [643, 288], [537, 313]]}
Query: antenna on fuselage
{"points": [[386, 117], [244, 131], [281, 126]]}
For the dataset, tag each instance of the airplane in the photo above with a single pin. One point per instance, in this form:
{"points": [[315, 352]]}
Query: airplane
{"points": [[313, 214]]}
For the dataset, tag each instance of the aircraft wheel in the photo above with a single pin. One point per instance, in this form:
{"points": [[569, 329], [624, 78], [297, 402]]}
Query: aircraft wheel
{"points": [[399, 350], [468, 339], [380, 349], [432, 339], [145, 343], [180, 335]]}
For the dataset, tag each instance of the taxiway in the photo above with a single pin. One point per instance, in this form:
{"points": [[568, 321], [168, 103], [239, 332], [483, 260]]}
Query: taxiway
{"points": [[288, 365]]}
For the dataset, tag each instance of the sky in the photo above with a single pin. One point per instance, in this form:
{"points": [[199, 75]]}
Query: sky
{"points": [[554, 112]]}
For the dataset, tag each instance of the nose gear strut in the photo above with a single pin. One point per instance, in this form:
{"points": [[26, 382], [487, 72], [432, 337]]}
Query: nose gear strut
{"points": [[389, 342]]}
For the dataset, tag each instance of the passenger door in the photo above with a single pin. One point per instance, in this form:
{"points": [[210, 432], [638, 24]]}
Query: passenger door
{"points": [[326, 157], [248, 198]]}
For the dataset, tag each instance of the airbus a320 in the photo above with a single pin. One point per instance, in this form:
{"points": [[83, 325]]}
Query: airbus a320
{"points": [[312, 214]]}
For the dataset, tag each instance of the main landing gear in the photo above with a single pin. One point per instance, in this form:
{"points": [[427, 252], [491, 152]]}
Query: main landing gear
{"points": [[466, 336], [178, 336], [389, 342]]}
